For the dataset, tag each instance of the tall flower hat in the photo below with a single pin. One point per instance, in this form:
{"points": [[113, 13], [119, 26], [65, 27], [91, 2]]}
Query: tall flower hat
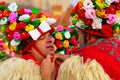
{"points": [[97, 17], [65, 39], [23, 25]]}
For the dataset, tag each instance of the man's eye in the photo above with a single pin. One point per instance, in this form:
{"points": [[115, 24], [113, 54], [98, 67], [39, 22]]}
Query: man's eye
{"points": [[42, 37]]}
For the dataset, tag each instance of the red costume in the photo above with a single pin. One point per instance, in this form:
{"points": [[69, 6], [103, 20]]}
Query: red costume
{"points": [[107, 53]]}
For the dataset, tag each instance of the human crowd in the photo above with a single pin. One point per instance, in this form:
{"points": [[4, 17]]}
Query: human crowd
{"points": [[32, 48]]}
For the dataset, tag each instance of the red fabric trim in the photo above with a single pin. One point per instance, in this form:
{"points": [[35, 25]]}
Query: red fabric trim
{"points": [[35, 47], [40, 30], [28, 56], [28, 46], [95, 32]]}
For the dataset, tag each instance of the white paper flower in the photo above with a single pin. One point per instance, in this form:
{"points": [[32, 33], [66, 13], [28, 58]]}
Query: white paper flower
{"points": [[118, 20], [23, 17], [51, 21], [88, 4], [13, 7], [108, 2], [67, 35], [14, 43], [79, 24], [97, 23], [3, 21]]}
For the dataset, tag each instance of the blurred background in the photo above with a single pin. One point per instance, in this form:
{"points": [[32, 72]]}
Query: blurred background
{"points": [[59, 9]]}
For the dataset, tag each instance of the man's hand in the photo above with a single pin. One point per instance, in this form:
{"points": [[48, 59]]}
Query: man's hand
{"points": [[60, 58], [47, 68]]}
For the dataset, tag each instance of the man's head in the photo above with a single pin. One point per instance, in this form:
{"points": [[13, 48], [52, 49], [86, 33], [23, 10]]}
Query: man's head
{"points": [[97, 18], [45, 44], [24, 26]]}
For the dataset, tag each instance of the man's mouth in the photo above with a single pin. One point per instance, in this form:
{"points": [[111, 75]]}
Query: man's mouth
{"points": [[50, 47]]}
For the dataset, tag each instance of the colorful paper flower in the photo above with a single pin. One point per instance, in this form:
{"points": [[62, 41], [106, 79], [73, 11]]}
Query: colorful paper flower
{"points": [[98, 16], [13, 7], [65, 38], [21, 24]]}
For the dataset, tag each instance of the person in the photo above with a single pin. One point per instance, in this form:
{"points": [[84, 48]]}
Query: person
{"points": [[28, 35], [97, 22]]}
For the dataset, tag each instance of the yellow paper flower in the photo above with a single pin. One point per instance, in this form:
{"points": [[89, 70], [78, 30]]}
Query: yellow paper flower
{"points": [[13, 26], [43, 18], [13, 48], [75, 17], [66, 43], [29, 27], [58, 35], [100, 4], [118, 13]]}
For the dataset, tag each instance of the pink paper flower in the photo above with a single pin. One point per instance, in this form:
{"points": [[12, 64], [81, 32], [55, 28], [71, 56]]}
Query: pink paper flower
{"points": [[28, 11], [112, 18], [90, 14], [12, 17], [17, 36]]}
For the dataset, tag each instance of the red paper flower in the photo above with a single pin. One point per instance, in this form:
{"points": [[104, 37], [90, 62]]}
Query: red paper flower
{"points": [[10, 36], [111, 9], [21, 11], [78, 6], [107, 30], [72, 40], [33, 16], [6, 12], [1, 15], [40, 15], [58, 44], [88, 22], [2, 3], [118, 6], [25, 35], [21, 25], [82, 14]]}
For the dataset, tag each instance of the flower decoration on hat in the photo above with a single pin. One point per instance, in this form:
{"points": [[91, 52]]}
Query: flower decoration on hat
{"points": [[65, 39], [21, 24], [98, 17]]}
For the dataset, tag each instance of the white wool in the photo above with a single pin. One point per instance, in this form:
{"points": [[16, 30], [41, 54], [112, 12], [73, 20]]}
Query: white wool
{"points": [[74, 69], [19, 69]]}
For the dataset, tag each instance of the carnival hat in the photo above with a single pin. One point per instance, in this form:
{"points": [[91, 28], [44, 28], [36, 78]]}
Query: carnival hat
{"points": [[97, 17], [22, 24]]}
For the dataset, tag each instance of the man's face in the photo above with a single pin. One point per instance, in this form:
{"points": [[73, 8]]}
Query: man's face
{"points": [[45, 44]]}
